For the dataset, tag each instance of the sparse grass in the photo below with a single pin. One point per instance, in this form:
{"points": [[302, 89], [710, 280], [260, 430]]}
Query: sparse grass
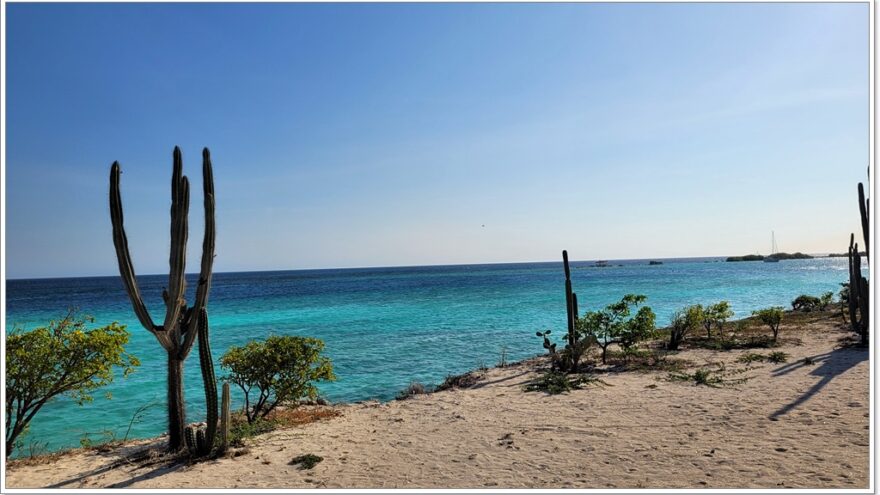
{"points": [[646, 360], [279, 418], [555, 382], [307, 461], [751, 357], [715, 378]]}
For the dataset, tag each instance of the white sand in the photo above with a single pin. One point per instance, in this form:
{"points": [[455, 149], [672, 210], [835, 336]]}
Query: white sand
{"points": [[625, 435]]}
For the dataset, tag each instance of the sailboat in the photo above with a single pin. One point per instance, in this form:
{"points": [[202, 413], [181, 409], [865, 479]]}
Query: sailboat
{"points": [[772, 258]]}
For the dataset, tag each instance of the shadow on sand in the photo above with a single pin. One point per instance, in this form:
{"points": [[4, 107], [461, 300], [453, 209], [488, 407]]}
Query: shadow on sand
{"points": [[830, 365]]}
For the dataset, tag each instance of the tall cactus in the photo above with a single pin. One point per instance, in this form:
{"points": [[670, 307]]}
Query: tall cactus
{"points": [[178, 332], [207, 364], [575, 347], [225, 419], [568, 300], [858, 286]]}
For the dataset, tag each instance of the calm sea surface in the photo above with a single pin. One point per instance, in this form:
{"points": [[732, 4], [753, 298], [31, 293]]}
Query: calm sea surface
{"points": [[385, 327]]}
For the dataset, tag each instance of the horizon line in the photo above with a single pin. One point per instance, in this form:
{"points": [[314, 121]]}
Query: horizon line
{"points": [[815, 254]]}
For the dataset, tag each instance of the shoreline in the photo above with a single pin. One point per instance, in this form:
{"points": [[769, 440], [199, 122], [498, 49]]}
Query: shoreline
{"points": [[787, 425]]}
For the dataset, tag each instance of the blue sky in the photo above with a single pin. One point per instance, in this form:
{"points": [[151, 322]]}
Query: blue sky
{"points": [[375, 135]]}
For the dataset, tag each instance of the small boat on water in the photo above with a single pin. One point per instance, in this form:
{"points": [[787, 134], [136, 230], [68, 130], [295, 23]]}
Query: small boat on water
{"points": [[772, 257]]}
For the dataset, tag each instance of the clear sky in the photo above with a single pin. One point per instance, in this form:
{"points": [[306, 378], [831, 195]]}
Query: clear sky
{"points": [[376, 135]]}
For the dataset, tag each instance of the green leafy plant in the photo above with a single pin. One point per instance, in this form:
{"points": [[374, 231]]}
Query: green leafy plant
{"points": [[716, 315], [772, 317], [62, 358], [279, 369], [683, 322], [615, 325]]}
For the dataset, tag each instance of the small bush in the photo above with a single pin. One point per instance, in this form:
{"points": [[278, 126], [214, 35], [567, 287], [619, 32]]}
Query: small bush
{"points": [[464, 380], [806, 303], [280, 369], [825, 300], [772, 317], [751, 357], [307, 461], [414, 388], [555, 382], [777, 357], [683, 322]]}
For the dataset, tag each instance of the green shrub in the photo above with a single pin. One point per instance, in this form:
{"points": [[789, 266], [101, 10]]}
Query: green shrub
{"points": [[716, 315], [777, 357], [683, 322], [279, 369], [613, 325], [63, 358], [772, 317], [806, 303]]}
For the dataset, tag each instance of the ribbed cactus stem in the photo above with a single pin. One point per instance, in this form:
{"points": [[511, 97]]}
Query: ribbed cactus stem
{"points": [[190, 436], [568, 299], [207, 364], [225, 419]]}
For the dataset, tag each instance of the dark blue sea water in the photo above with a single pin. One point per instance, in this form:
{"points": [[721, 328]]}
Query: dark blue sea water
{"points": [[385, 327]]}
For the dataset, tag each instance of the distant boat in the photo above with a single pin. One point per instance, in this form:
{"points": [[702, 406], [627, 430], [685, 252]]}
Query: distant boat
{"points": [[772, 258]]}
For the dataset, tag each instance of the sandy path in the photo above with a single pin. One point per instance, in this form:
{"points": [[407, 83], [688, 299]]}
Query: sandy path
{"points": [[789, 425]]}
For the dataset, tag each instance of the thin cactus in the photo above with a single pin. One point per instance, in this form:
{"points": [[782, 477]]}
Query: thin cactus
{"points": [[858, 286], [225, 419], [568, 299], [178, 331], [207, 364], [190, 438]]}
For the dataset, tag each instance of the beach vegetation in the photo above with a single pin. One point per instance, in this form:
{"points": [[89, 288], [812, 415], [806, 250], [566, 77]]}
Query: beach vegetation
{"points": [[63, 358], [683, 322], [616, 324], [307, 461], [806, 303], [777, 357], [825, 300], [281, 369], [710, 377], [716, 315], [464, 380], [751, 357], [414, 388], [554, 382], [772, 317]]}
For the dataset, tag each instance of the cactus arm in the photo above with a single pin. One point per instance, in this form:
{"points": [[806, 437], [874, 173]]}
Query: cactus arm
{"points": [[126, 269], [205, 274], [207, 364], [224, 420], [175, 301]]}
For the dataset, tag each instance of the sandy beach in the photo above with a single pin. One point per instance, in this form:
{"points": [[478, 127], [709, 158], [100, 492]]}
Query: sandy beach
{"points": [[792, 424]]}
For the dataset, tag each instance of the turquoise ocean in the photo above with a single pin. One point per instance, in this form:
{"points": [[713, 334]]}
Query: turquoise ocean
{"points": [[384, 327]]}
